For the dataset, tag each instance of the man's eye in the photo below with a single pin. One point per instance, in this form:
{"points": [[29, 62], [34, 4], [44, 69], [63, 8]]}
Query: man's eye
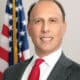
{"points": [[37, 21], [52, 20]]}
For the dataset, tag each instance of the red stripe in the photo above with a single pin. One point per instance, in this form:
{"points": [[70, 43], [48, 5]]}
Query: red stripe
{"points": [[4, 54], [5, 30], [22, 57], [1, 75]]}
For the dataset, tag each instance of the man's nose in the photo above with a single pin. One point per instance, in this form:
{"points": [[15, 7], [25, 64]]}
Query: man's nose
{"points": [[45, 27]]}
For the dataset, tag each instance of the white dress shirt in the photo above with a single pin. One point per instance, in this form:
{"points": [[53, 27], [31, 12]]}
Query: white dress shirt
{"points": [[46, 67]]}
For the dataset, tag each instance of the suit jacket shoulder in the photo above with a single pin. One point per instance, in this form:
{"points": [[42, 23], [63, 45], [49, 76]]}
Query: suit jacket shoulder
{"points": [[65, 69], [74, 71], [15, 72]]}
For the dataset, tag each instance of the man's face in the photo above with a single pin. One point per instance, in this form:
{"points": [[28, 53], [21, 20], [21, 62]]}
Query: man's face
{"points": [[46, 27]]}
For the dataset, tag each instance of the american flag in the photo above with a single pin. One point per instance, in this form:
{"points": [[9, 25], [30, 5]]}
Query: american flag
{"points": [[7, 55]]}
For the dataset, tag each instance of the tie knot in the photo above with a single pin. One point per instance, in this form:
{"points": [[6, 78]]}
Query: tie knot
{"points": [[38, 62]]}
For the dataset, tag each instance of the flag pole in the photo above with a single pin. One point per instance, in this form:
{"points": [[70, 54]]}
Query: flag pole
{"points": [[15, 50]]}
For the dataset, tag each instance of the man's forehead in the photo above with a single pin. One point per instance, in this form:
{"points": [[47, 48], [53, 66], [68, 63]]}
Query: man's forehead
{"points": [[46, 5], [42, 5]]}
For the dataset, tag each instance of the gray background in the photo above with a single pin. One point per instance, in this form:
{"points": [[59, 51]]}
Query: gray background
{"points": [[71, 44]]}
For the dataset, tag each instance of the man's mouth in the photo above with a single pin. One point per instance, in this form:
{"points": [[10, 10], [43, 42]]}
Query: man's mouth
{"points": [[46, 39]]}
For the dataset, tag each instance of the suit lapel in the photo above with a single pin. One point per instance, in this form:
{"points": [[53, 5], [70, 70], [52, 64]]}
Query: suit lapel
{"points": [[21, 69], [60, 71]]}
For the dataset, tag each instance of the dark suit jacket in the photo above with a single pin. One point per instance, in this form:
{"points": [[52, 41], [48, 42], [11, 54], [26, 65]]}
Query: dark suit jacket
{"points": [[64, 69]]}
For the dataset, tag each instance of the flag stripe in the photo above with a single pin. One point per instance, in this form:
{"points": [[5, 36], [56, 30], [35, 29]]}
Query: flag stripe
{"points": [[5, 30], [4, 54], [4, 65], [22, 57], [28, 55], [1, 75], [4, 42]]}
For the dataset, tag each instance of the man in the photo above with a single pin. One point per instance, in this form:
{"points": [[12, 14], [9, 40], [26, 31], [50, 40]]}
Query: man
{"points": [[46, 27]]}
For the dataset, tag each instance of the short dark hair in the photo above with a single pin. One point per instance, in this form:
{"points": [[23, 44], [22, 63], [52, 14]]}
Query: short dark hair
{"points": [[55, 1]]}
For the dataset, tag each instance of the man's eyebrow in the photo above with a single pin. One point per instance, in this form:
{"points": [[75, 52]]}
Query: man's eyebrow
{"points": [[35, 18]]}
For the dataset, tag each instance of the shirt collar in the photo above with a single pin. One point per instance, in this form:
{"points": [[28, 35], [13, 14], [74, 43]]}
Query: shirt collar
{"points": [[51, 59]]}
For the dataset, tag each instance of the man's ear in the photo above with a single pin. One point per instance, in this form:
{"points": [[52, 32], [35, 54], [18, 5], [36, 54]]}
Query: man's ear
{"points": [[64, 28], [29, 29], [65, 25]]}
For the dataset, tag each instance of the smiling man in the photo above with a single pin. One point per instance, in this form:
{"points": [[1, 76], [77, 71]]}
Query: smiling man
{"points": [[46, 26]]}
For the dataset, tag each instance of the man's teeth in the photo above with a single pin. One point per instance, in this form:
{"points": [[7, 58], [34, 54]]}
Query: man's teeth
{"points": [[46, 38]]}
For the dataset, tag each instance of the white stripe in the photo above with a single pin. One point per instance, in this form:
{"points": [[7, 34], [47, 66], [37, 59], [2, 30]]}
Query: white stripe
{"points": [[6, 19], [3, 65], [27, 54], [4, 42]]}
